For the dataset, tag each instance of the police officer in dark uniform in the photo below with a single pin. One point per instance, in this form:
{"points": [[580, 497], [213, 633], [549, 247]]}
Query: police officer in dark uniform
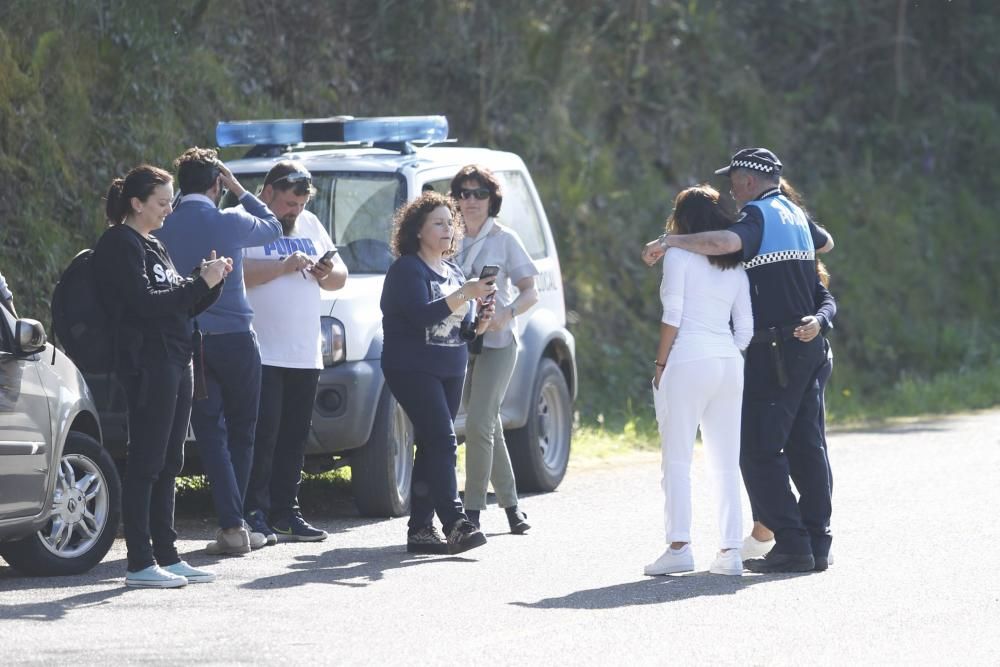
{"points": [[781, 433]]}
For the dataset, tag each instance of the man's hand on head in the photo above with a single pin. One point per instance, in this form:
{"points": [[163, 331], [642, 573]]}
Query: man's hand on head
{"points": [[229, 181]]}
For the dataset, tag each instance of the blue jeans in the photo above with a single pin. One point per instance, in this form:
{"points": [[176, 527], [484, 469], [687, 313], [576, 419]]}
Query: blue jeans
{"points": [[431, 403], [224, 422]]}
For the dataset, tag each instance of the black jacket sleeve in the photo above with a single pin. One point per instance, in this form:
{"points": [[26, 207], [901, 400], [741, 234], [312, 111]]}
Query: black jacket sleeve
{"points": [[826, 306], [121, 268], [207, 301]]}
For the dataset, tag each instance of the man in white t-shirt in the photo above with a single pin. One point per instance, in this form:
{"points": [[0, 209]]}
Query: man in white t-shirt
{"points": [[283, 281]]}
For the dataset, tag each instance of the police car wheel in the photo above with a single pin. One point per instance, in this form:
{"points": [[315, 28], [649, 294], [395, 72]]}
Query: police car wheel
{"points": [[86, 507], [382, 468], [539, 451]]}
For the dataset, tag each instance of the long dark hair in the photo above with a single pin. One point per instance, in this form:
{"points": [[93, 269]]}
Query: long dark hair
{"points": [[794, 196], [410, 218], [139, 183], [697, 209]]}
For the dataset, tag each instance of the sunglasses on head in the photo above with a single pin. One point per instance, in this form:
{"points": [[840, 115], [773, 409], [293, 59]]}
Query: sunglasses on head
{"points": [[295, 177], [478, 193]]}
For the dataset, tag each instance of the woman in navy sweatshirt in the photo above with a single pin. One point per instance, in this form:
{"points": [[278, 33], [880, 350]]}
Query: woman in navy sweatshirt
{"points": [[151, 305], [426, 321]]}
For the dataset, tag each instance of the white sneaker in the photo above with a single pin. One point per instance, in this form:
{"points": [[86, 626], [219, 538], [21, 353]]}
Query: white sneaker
{"points": [[727, 562], [257, 540], [672, 561], [754, 548], [192, 574], [231, 544], [154, 577]]}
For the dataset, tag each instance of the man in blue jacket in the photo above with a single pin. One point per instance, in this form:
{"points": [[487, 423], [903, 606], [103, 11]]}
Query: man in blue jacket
{"points": [[228, 358]]}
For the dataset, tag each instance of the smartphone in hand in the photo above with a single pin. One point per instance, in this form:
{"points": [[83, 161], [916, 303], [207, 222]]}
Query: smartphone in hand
{"points": [[328, 256], [488, 275]]}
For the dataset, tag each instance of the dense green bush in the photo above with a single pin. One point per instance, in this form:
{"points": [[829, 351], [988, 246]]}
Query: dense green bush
{"points": [[884, 112]]}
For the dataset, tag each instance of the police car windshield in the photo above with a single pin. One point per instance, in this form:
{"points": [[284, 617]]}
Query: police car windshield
{"points": [[355, 207]]}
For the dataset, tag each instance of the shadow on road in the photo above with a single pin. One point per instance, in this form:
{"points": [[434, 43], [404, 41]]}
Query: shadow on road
{"points": [[356, 567], [55, 610], [936, 425], [654, 590]]}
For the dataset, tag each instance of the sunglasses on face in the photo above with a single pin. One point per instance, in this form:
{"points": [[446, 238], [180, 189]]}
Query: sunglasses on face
{"points": [[295, 177], [478, 193]]}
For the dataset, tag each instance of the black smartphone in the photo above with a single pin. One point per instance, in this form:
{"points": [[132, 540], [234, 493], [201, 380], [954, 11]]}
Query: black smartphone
{"points": [[489, 271], [328, 255]]}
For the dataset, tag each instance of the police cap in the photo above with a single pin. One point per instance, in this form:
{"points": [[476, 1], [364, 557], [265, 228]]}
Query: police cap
{"points": [[759, 159]]}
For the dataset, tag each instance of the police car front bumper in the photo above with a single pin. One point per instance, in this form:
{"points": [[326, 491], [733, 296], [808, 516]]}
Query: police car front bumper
{"points": [[345, 406]]}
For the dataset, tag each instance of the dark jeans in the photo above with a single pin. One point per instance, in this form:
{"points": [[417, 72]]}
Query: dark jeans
{"points": [[431, 403], [159, 406], [224, 422], [781, 437], [287, 396], [822, 378]]}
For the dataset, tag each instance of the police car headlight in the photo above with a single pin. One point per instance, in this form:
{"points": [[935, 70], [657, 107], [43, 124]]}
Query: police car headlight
{"points": [[334, 350]]}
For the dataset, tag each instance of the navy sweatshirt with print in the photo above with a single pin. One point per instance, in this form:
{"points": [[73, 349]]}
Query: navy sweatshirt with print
{"points": [[420, 333]]}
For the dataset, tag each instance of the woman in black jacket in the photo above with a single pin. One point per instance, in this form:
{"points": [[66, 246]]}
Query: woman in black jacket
{"points": [[151, 304]]}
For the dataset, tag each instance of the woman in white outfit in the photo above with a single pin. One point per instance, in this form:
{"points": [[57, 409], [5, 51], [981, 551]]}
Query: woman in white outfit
{"points": [[699, 381]]}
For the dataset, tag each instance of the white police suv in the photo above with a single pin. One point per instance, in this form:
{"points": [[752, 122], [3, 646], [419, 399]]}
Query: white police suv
{"points": [[363, 170]]}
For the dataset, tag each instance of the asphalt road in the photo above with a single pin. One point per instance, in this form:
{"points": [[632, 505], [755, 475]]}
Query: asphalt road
{"points": [[916, 579]]}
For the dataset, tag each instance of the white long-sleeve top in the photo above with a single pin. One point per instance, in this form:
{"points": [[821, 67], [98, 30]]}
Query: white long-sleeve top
{"points": [[699, 299]]}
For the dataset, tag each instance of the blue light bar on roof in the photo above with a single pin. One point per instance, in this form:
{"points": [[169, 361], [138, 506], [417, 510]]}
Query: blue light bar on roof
{"points": [[343, 129]]}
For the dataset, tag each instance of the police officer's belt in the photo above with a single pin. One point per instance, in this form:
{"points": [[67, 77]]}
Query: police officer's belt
{"points": [[773, 334]]}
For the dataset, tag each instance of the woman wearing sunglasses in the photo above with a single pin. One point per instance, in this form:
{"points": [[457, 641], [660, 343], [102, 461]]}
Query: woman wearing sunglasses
{"points": [[487, 242]]}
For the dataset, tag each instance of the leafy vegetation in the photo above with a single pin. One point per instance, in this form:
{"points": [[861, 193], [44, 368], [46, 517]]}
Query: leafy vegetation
{"points": [[884, 111]]}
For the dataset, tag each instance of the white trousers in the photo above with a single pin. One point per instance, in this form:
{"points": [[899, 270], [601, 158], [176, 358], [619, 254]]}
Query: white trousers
{"points": [[706, 392]]}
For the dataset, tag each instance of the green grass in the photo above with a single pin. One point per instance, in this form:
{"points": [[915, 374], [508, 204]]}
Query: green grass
{"points": [[320, 493], [952, 391]]}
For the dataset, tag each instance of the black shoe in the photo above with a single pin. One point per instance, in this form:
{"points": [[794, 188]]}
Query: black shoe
{"points": [[464, 536], [822, 563], [426, 540], [775, 562], [473, 517], [295, 529], [256, 523], [518, 521]]}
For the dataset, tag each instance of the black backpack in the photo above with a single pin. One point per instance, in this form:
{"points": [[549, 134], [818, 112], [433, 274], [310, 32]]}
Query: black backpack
{"points": [[80, 322]]}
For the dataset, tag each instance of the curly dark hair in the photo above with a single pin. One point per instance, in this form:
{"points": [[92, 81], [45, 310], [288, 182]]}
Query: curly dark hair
{"points": [[410, 218], [697, 209], [485, 178]]}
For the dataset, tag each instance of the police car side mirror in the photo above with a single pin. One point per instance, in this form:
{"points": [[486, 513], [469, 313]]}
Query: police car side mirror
{"points": [[29, 337]]}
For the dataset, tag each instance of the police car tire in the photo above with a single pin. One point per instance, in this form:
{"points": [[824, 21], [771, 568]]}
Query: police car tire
{"points": [[31, 556], [549, 422], [375, 480]]}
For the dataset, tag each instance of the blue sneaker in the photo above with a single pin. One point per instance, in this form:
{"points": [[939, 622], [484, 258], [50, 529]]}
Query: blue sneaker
{"points": [[294, 528], [256, 523]]}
